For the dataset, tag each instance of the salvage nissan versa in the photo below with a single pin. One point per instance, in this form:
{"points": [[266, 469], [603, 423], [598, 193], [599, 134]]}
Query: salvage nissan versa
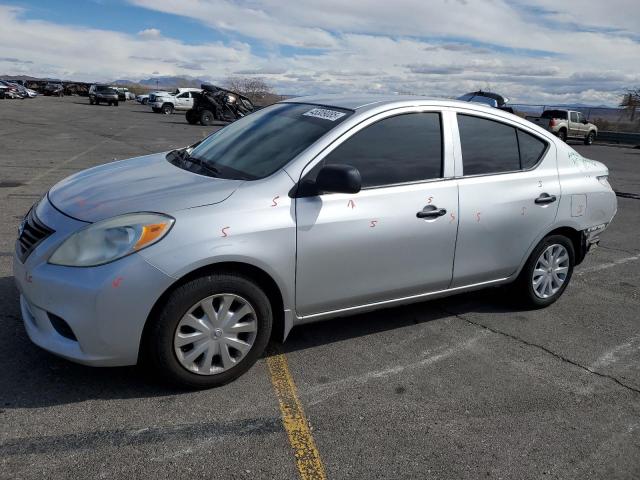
{"points": [[191, 260]]}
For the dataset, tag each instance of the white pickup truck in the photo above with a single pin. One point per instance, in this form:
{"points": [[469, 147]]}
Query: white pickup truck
{"points": [[566, 124], [180, 99]]}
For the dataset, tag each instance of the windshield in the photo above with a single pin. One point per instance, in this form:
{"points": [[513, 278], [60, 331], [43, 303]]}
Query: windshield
{"points": [[265, 141]]}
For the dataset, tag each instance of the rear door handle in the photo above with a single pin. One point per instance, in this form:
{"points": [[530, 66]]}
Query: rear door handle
{"points": [[431, 211], [545, 198]]}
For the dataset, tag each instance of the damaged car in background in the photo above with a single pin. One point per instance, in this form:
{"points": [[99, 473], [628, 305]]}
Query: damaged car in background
{"points": [[216, 103]]}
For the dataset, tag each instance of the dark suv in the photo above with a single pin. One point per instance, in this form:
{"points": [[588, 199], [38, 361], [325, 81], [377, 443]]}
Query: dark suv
{"points": [[104, 94]]}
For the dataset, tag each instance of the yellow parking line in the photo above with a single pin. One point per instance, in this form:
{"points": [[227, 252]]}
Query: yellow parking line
{"points": [[293, 418]]}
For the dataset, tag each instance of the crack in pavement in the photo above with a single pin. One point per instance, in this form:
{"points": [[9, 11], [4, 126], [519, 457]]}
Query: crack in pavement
{"points": [[546, 350]]}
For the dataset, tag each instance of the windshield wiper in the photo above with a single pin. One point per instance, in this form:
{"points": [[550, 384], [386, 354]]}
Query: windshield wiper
{"points": [[201, 163], [185, 157]]}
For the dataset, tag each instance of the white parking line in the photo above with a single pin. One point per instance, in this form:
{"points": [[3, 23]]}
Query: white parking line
{"points": [[604, 266], [324, 391]]}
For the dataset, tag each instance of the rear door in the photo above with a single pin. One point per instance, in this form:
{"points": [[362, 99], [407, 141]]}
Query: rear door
{"points": [[509, 196], [371, 247]]}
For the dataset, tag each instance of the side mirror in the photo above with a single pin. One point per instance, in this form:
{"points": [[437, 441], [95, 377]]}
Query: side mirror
{"points": [[338, 179], [330, 179], [585, 121]]}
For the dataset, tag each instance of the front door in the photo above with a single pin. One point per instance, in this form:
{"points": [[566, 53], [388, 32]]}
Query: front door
{"points": [[370, 247]]}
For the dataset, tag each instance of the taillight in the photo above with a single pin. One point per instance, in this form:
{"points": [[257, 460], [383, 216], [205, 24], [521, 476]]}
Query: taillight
{"points": [[553, 122], [604, 180]]}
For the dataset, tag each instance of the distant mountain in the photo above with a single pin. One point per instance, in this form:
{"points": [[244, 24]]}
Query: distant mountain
{"points": [[165, 82]]}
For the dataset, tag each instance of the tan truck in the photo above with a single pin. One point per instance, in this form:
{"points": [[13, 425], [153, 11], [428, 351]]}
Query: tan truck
{"points": [[567, 124]]}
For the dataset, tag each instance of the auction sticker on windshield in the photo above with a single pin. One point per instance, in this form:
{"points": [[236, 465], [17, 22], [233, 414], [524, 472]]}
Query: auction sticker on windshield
{"points": [[324, 113]]}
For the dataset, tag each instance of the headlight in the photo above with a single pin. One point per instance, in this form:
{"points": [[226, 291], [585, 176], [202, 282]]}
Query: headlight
{"points": [[111, 239]]}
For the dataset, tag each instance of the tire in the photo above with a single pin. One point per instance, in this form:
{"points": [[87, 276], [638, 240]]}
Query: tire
{"points": [[562, 135], [167, 109], [525, 283], [588, 140], [91, 102], [155, 110], [115, 103], [145, 101], [206, 118], [161, 354], [192, 117]]}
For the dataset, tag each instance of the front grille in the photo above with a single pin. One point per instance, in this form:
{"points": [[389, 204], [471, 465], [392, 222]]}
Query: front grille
{"points": [[33, 232]]}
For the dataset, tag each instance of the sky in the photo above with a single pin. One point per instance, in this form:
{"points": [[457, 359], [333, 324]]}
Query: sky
{"points": [[532, 51]]}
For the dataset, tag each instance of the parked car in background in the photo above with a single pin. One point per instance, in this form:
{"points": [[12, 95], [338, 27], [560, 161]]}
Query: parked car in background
{"points": [[157, 93], [143, 99], [180, 99], [9, 91], [308, 209], [566, 124], [103, 94], [20, 89], [215, 103], [54, 89], [487, 98]]}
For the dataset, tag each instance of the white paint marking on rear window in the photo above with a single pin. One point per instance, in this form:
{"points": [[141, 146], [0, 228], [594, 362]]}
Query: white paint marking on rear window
{"points": [[325, 114]]}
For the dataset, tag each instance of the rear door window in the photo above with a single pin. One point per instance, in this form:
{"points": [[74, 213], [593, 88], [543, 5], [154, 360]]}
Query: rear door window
{"points": [[487, 146]]}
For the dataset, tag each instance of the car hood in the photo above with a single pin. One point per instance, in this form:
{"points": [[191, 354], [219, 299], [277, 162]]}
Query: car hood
{"points": [[142, 184]]}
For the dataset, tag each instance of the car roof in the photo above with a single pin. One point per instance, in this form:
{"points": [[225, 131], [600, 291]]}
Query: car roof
{"points": [[366, 102]]}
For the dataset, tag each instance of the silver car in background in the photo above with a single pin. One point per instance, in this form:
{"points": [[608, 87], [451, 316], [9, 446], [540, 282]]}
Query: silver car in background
{"points": [[191, 261]]}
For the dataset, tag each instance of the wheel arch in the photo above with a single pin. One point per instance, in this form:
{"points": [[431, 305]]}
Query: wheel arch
{"points": [[574, 235], [281, 325]]}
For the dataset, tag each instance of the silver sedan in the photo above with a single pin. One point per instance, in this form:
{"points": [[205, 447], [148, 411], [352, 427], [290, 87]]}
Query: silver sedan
{"points": [[192, 260]]}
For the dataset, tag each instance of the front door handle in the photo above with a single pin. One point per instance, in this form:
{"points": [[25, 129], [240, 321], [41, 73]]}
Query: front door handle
{"points": [[431, 211], [545, 198]]}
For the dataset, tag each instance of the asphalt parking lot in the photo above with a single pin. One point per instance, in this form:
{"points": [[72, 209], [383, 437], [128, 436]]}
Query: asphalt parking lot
{"points": [[465, 387]]}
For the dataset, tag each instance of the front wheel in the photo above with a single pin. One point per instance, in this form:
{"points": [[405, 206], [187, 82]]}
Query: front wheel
{"points": [[206, 118], [210, 331], [588, 140], [192, 117], [167, 109], [547, 271], [115, 103]]}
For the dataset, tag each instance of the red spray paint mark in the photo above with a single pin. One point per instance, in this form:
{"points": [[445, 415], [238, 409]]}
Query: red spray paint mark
{"points": [[116, 282], [351, 204], [224, 234], [275, 204], [478, 216], [429, 200], [540, 183], [453, 218], [81, 202], [373, 223]]}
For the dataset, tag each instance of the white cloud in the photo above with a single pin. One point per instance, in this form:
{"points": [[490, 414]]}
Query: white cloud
{"points": [[149, 33]]}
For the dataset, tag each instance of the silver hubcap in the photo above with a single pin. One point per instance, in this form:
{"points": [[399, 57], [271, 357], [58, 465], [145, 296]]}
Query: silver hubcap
{"points": [[551, 271], [215, 334]]}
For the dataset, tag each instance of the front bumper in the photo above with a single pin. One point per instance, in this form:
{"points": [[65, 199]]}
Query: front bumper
{"points": [[105, 307]]}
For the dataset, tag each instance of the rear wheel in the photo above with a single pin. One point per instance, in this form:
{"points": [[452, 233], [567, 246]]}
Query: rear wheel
{"points": [[115, 103], [210, 331], [588, 140], [562, 135], [206, 118], [547, 271], [91, 102], [145, 101]]}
